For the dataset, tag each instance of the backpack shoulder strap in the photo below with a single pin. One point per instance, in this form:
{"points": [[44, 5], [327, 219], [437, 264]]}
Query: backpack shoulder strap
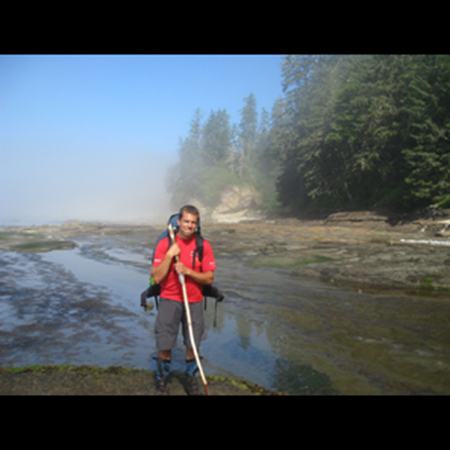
{"points": [[161, 237], [198, 249], [199, 243]]}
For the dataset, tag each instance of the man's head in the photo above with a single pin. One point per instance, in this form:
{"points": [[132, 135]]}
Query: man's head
{"points": [[188, 221]]}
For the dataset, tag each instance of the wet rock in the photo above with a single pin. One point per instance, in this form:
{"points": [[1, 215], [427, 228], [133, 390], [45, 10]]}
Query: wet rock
{"points": [[356, 217], [364, 252]]}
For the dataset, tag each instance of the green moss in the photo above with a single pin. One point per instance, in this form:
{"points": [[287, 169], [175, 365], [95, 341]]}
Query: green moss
{"points": [[70, 379], [43, 246], [239, 384], [427, 286], [40, 369], [426, 283], [21, 234], [287, 262], [67, 368]]}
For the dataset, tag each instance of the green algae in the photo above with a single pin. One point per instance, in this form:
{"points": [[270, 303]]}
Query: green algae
{"points": [[427, 284], [287, 262], [43, 246], [242, 385]]}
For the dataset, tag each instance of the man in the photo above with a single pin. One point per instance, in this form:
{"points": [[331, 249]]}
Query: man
{"points": [[171, 308]]}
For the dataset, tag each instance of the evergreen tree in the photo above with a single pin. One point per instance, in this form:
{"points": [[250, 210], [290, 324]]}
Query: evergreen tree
{"points": [[428, 156], [248, 135], [307, 101], [367, 131], [289, 183], [216, 146], [185, 180]]}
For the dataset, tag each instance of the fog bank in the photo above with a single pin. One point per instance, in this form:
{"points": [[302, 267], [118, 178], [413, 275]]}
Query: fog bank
{"points": [[125, 187]]}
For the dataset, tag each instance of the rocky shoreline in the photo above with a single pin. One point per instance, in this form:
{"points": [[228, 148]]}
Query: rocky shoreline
{"points": [[89, 380], [361, 250]]}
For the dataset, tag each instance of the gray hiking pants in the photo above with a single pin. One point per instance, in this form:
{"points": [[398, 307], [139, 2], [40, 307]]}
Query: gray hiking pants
{"points": [[170, 314]]}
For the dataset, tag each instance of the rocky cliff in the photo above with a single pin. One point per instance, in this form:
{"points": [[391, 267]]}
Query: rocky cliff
{"points": [[237, 204]]}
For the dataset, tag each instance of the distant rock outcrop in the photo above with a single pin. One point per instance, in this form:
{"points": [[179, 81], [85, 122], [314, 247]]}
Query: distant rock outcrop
{"points": [[356, 217], [237, 204]]}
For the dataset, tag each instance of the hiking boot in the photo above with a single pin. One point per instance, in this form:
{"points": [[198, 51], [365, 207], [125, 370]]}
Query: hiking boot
{"points": [[191, 385], [162, 375], [161, 386]]}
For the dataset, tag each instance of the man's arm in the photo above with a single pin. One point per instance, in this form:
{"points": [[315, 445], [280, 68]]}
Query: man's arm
{"points": [[160, 272]]}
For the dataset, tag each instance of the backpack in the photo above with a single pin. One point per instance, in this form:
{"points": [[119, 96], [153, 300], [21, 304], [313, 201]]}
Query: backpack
{"points": [[154, 289]]}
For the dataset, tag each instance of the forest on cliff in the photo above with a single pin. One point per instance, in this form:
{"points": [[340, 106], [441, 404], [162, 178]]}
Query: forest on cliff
{"points": [[350, 132]]}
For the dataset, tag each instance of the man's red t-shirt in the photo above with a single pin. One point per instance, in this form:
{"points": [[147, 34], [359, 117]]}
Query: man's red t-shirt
{"points": [[170, 286]]}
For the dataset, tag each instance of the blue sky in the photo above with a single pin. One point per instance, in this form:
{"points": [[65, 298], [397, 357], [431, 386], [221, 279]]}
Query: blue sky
{"points": [[91, 137]]}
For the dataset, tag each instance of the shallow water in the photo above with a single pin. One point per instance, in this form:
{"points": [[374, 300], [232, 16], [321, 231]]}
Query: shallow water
{"points": [[299, 336]]}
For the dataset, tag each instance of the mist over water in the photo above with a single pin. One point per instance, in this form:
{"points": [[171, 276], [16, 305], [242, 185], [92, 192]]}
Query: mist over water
{"points": [[91, 137], [120, 187]]}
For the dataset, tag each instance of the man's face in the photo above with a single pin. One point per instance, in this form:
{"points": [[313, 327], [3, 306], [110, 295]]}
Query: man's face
{"points": [[188, 224]]}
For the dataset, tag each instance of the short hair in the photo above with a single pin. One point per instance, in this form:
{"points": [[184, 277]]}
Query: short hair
{"points": [[190, 209]]}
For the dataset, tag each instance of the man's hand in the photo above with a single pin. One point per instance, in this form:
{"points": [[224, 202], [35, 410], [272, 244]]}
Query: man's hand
{"points": [[173, 251], [181, 268], [199, 277], [160, 272]]}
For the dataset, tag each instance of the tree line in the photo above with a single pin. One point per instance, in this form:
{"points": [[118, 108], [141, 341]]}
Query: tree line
{"points": [[217, 154], [349, 132]]}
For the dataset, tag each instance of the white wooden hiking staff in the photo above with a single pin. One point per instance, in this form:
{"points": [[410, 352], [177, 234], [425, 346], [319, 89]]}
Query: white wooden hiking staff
{"points": [[188, 316]]}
